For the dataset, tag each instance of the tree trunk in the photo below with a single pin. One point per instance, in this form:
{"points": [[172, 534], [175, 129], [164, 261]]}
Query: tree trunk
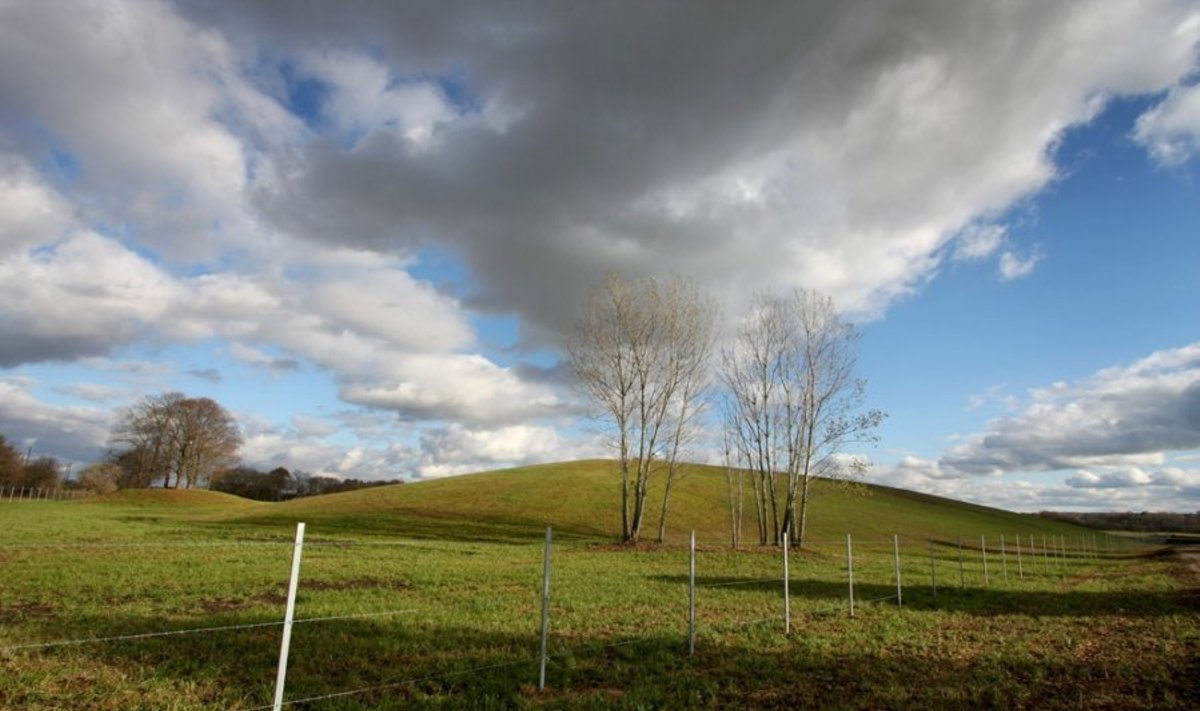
{"points": [[662, 519]]}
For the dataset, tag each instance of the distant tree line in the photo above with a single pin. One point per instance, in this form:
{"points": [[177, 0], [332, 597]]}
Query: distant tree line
{"points": [[279, 484], [173, 441], [1146, 521], [18, 470]]}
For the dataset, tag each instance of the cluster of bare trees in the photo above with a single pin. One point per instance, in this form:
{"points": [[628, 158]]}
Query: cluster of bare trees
{"points": [[641, 352], [790, 402], [171, 435]]}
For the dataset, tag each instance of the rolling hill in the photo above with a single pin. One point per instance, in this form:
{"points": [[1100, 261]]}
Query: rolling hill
{"points": [[581, 501]]}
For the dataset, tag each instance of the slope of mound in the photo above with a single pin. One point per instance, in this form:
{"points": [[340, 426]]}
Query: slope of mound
{"points": [[175, 498], [582, 500]]}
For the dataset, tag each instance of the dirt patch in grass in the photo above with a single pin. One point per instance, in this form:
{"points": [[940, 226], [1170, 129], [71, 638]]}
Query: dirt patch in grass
{"points": [[355, 584], [218, 605], [25, 610]]}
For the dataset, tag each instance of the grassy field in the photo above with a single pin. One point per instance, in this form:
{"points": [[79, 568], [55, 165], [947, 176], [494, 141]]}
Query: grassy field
{"points": [[456, 565]]}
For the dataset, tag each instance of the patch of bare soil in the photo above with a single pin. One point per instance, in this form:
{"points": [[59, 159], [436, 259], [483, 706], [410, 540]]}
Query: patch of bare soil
{"points": [[355, 584], [24, 610]]}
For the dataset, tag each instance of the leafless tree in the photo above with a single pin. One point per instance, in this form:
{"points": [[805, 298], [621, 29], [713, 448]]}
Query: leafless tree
{"points": [[170, 434], [641, 353], [793, 404]]}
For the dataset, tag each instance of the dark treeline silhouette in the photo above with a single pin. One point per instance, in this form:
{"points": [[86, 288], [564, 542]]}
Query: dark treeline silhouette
{"points": [[279, 484], [1147, 521]]}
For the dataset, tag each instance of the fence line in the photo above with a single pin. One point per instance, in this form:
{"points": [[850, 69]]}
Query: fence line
{"points": [[1087, 550]]}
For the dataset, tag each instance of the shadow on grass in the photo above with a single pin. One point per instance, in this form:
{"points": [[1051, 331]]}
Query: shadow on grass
{"points": [[361, 665], [990, 601]]}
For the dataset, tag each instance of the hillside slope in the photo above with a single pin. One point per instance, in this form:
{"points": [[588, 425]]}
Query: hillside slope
{"points": [[581, 500]]}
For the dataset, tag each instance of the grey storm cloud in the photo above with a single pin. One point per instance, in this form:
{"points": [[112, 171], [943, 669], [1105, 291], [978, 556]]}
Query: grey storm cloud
{"points": [[1120, 416], [833, 145]]}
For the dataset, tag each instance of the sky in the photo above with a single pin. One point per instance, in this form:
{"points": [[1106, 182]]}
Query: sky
{"points": [[363, 228]]}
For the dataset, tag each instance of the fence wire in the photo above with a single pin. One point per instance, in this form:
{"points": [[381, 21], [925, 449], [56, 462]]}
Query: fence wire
{"points": [[202, 630]]}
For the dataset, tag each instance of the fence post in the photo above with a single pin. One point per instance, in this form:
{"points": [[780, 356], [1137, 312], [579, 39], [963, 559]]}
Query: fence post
{"points": [[692, 595], [933, 570], [962, 574], [1003, 558], [1020, 567], [850, 571], [545, 611], [983, 547], [787, 588], [896, 557], [288, 617]]}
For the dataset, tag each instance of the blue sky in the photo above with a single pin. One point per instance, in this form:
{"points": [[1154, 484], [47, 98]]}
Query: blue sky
{"points": [[364, 234]]}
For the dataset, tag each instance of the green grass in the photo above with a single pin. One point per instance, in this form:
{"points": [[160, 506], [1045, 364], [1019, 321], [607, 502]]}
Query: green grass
{"points": [[462, 560]]}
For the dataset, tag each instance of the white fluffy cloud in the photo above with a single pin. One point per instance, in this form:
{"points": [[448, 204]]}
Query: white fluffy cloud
{"points": [[1171, 130], [1125, 415]]}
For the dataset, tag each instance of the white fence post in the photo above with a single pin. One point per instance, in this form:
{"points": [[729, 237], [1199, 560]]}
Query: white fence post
{"points": [[850, 571], [896, 557], [692, 595], [983, 547], [288, 617], [545, 611], [1020, 567], [787, 589]]}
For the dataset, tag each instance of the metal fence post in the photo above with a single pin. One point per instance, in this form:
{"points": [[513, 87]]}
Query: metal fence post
{"points": [[896, 557], [787, 588], [545, 611], [692, 595], [983, 547], [288, 617], [850, 571]]}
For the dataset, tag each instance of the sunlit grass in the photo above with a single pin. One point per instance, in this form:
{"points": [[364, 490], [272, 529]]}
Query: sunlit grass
{"points": [[1109, 631]]}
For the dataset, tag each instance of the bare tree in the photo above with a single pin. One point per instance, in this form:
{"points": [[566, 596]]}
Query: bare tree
{"points": [[170, 434], [641, 353], [793, 404]]}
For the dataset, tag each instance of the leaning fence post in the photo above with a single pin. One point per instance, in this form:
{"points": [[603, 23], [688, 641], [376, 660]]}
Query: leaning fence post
{"points": [[545, 611], [983, 547], [787, 588], [288, 617], [896, 557], [692, 595], [850, 571]]}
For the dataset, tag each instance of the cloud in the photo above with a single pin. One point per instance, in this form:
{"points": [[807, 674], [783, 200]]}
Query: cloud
{"points": [[164, 178], [834, 146], [457, 450], [1171, 129], [77, 433], [978, 241], [1014, 267], [1125, 415]]}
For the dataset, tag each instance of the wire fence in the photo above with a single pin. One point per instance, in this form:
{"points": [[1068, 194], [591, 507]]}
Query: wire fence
{"points": [[914, 568]]}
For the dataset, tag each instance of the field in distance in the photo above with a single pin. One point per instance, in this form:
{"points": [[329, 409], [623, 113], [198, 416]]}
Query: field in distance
{"points": [[428, 596]]}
